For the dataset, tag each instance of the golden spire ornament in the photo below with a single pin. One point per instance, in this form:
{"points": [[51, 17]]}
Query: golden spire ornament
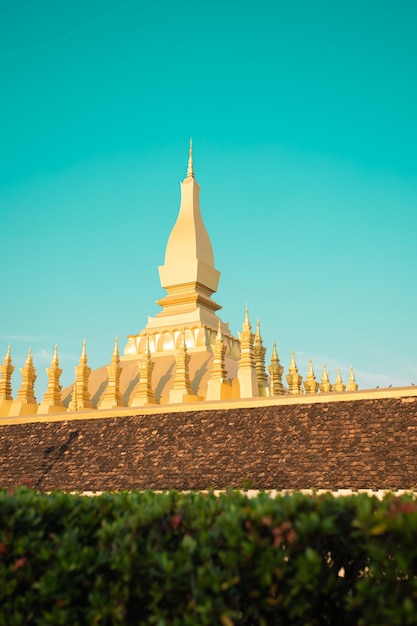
{"points": [[352, 385], [325, 385], [338, 385], [294, 379], [259, 355], [112, 396], [247, 376], [6, 371], [81, 398], [275, 372], [144, 394], [310, 384], [51, 401], [218, 387], [26, 393]]}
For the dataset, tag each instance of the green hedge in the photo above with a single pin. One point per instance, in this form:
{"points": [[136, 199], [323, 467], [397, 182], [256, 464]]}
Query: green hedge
{"points": [[146, 558]]}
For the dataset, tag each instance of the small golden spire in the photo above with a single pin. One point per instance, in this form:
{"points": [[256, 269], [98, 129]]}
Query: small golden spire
{"points": [[148, 345], [81, 398], [259, 354], [6, 371], [83, 358], [310, 383], [294, 379], [190, 169], [325, 386], [246, 323], [52, 396], [183, 343], [352, 385], [116, 356], [111, 397], [293, 366], [26, 393], [144, 392], [338, 385], [275, 371]]}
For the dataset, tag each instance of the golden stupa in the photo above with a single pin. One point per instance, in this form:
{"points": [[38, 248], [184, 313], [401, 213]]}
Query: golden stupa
{"points": [[185, 354]]}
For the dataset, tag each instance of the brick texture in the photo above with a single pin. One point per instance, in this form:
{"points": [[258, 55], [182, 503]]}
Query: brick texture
{"points": [[365, 444]]}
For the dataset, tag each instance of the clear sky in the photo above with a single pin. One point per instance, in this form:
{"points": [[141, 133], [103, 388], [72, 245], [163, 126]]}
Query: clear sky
{"points": [[303, 118]]}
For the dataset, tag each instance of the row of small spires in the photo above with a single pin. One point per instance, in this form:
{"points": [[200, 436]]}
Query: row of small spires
{"points": [[252, 359]]}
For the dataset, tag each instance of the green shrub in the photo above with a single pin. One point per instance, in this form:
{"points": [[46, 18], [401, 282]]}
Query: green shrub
{"points": [[182, 559]]}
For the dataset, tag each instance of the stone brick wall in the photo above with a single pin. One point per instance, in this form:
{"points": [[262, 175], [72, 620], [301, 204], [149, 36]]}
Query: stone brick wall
{"points": [[348, 445]]}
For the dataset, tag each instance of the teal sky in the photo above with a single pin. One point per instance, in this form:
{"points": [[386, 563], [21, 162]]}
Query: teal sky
{"points": [[303, 118]]}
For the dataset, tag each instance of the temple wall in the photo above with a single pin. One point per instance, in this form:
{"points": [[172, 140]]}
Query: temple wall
{"points": [[368, 443]]}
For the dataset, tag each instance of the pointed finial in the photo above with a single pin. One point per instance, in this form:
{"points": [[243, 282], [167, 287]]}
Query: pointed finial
{"points": [[83, 357], [274, 351], [352, 385], [338, 385], [219, 331], [8, 352], [29, 359], [258, 329], [190, 169], [310, 368], [55, 357], [116, 345], [292, 362]]}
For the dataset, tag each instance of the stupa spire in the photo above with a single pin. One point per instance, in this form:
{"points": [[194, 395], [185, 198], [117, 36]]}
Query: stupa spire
{"points": [[181, 389], [259, 354], [294, 379], [81, 398], [26, 393], [247, 376], [144, 394], [190, 168], [52, 397], [188, 273], [310, 384], [112, 396], [338, 385], [6, 371], [218, 387], [352, 385], [325, 385], [275, 371]]}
